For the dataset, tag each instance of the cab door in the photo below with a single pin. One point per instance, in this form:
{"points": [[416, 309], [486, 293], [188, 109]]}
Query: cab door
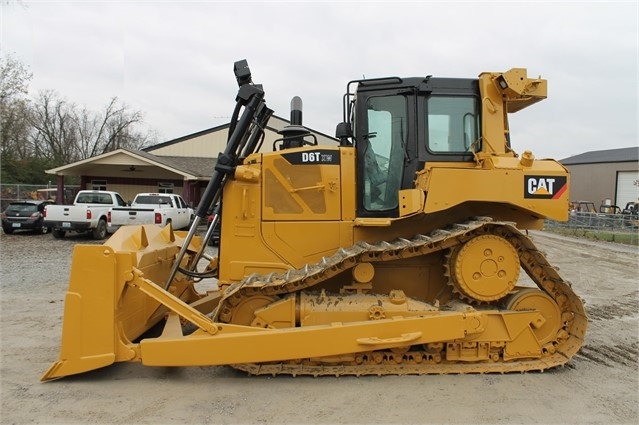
{"points": [[386, 151]]}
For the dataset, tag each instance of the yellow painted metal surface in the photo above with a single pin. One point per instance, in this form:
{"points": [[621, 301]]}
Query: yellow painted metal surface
{"points": [[502, 182], [308, 287]]}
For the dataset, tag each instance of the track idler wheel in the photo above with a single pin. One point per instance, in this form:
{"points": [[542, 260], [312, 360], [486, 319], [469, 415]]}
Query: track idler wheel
{"points": [[244, 312], [484, 269], [534, 299]]}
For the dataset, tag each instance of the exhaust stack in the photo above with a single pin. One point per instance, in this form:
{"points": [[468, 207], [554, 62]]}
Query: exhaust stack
{"points": [[293, 135]]}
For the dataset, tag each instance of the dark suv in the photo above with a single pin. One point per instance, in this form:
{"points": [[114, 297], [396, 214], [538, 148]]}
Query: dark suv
{"points": [[24, 215]]}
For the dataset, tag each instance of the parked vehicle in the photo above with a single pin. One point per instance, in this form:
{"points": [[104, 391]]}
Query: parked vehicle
{"points": [[152, 208], [50, 194], [25, 215], [631, 214], [609, 209], [88, 214], [582, 206], [631, 209]]}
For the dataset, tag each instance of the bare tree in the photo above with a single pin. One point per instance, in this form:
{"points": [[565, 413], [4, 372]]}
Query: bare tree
{"points": [[15, 130], [14, 109], [55, 127], [112, 130], [14, 79], [49, 131], [65, 133]]}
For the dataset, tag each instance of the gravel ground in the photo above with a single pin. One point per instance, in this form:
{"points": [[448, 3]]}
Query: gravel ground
{"points": [[600, 385]]}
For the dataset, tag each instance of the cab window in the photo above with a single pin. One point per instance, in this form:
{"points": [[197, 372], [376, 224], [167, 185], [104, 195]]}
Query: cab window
{"points": [[453, 124], [121, 202]]}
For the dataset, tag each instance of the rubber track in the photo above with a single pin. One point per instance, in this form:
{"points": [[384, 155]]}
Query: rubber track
{"points": [[567, 343]]}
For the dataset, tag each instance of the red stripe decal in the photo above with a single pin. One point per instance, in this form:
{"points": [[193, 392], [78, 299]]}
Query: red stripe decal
{"points": [[560, 192]]}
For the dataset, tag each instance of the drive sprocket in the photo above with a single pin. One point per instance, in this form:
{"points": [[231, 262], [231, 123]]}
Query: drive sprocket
{"points": [[484, 268]]}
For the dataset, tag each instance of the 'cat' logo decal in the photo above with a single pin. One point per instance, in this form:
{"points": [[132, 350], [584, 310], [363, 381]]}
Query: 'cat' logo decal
{"points": [[545, 187]]}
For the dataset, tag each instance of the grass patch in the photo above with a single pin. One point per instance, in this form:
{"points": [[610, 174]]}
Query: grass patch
{"points": [[628, 238]]}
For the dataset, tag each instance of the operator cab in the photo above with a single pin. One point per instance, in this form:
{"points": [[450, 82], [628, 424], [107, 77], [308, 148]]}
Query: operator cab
{"points": [[397, 125]]}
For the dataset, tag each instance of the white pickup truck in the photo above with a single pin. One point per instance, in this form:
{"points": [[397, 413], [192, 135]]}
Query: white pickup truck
{"points": [[87, 214], [152, 208]]}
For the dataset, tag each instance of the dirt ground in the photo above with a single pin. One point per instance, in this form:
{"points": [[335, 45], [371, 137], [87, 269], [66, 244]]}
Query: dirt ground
{"points": [[599, 386]]}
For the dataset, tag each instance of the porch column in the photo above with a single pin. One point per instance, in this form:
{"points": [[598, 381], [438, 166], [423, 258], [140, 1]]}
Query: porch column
{"points": [[59, 193], [186, 191]]}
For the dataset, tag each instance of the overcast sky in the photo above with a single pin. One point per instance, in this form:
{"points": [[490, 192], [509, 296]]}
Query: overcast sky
{"points": [[173, 60]]}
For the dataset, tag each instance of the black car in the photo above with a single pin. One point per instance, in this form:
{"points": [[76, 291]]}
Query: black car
{"points": [[25, 215]]}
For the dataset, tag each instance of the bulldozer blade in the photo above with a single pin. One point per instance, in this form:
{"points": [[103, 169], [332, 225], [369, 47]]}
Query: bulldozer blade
{"points": [[88, 336], [102, 313]]}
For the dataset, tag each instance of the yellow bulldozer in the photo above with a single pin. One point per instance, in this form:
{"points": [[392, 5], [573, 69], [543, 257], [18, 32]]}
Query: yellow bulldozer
{"points": [[397, 250]]}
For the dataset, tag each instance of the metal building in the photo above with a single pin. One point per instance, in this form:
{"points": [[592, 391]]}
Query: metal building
{"points": [[606, 177]]}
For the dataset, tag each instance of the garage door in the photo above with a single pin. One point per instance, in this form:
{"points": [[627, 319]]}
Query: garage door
{"points": [[627, 187]]}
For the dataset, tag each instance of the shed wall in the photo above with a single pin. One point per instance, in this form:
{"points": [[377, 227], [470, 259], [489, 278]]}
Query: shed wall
{"points": [[597, 182]]}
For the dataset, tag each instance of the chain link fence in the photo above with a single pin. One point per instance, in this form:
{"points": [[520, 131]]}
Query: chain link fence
{"points": [[621, 228], [21, 192]]}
